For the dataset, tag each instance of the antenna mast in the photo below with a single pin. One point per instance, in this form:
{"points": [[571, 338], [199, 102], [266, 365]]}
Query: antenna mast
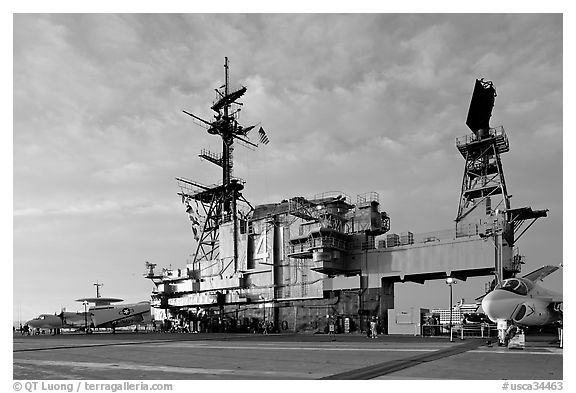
{"points": [[484, 206], [218, 204], [98, 285]]}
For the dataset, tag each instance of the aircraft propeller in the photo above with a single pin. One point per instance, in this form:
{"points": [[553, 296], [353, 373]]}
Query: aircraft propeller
{"points": [[61, 316]]}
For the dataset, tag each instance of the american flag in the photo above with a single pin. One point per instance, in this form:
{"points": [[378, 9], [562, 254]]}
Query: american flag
{"points": [[263, 136]]}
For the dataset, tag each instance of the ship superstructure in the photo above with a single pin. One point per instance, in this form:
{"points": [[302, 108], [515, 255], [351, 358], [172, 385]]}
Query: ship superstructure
{"points": [[298, 261]]}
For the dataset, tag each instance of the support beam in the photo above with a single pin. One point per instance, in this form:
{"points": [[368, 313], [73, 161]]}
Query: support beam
{"points": [[386, 302]]}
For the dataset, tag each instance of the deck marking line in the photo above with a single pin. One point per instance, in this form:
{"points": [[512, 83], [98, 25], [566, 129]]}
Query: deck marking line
{"points": [[93, 345], [516, 352], [256, 348], [167, 369], [380, 369], [191, 339]]}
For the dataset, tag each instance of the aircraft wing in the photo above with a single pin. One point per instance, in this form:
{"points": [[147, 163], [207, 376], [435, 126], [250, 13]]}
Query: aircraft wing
{"points": [[553, 299], [479, 298], [539, 274]]}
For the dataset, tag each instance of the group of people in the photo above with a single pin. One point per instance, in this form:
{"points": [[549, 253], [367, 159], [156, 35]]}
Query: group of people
{"points": [[212, 325], [215, 324], [27, 330], [264, 327], [334, 327], [175, 326]]}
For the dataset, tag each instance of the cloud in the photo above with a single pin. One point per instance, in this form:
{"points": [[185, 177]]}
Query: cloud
{"points": [[99, 208], [352, 102], [125, 172]]}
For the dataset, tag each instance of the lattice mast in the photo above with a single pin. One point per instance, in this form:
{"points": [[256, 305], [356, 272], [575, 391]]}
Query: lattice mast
{"points": [[218, 204], [483, 183], [484, 195], [484, 206]]}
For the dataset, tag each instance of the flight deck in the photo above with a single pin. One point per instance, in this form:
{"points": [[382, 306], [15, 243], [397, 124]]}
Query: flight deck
{"points": [[175, 356]]}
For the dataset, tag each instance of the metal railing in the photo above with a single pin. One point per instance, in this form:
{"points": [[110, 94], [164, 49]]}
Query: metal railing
{"points": [[426, 237], [324, 241], [483, 330], [208, 153], [332, 194], [497, 132], [371, 196]]}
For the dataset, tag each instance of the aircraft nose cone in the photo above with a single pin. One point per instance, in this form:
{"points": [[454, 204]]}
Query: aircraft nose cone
{"points": [[493, 306], [32, 323]]}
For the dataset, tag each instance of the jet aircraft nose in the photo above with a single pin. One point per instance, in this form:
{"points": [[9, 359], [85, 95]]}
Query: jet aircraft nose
{"points": [[499, 304]]}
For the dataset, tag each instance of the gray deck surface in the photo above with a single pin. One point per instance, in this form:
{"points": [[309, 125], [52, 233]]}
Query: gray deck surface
{"points": [[154, 356]]}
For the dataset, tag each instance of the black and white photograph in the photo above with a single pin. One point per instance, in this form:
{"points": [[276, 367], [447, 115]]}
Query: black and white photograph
{"points": [[287, 196]]}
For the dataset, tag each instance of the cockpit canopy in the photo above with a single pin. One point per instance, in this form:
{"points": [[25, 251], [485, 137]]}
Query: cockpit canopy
{"points": [[516, 285]]}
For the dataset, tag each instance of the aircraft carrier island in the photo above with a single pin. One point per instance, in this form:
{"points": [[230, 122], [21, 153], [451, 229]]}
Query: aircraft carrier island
{"points": [[298, 263]]}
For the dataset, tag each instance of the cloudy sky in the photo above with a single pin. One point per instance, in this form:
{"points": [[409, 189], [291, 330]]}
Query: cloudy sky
{"points": [[354, 103]]}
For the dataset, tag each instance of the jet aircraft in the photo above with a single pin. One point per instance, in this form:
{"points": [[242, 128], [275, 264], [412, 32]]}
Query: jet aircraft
{"points": [[523, 301]]}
